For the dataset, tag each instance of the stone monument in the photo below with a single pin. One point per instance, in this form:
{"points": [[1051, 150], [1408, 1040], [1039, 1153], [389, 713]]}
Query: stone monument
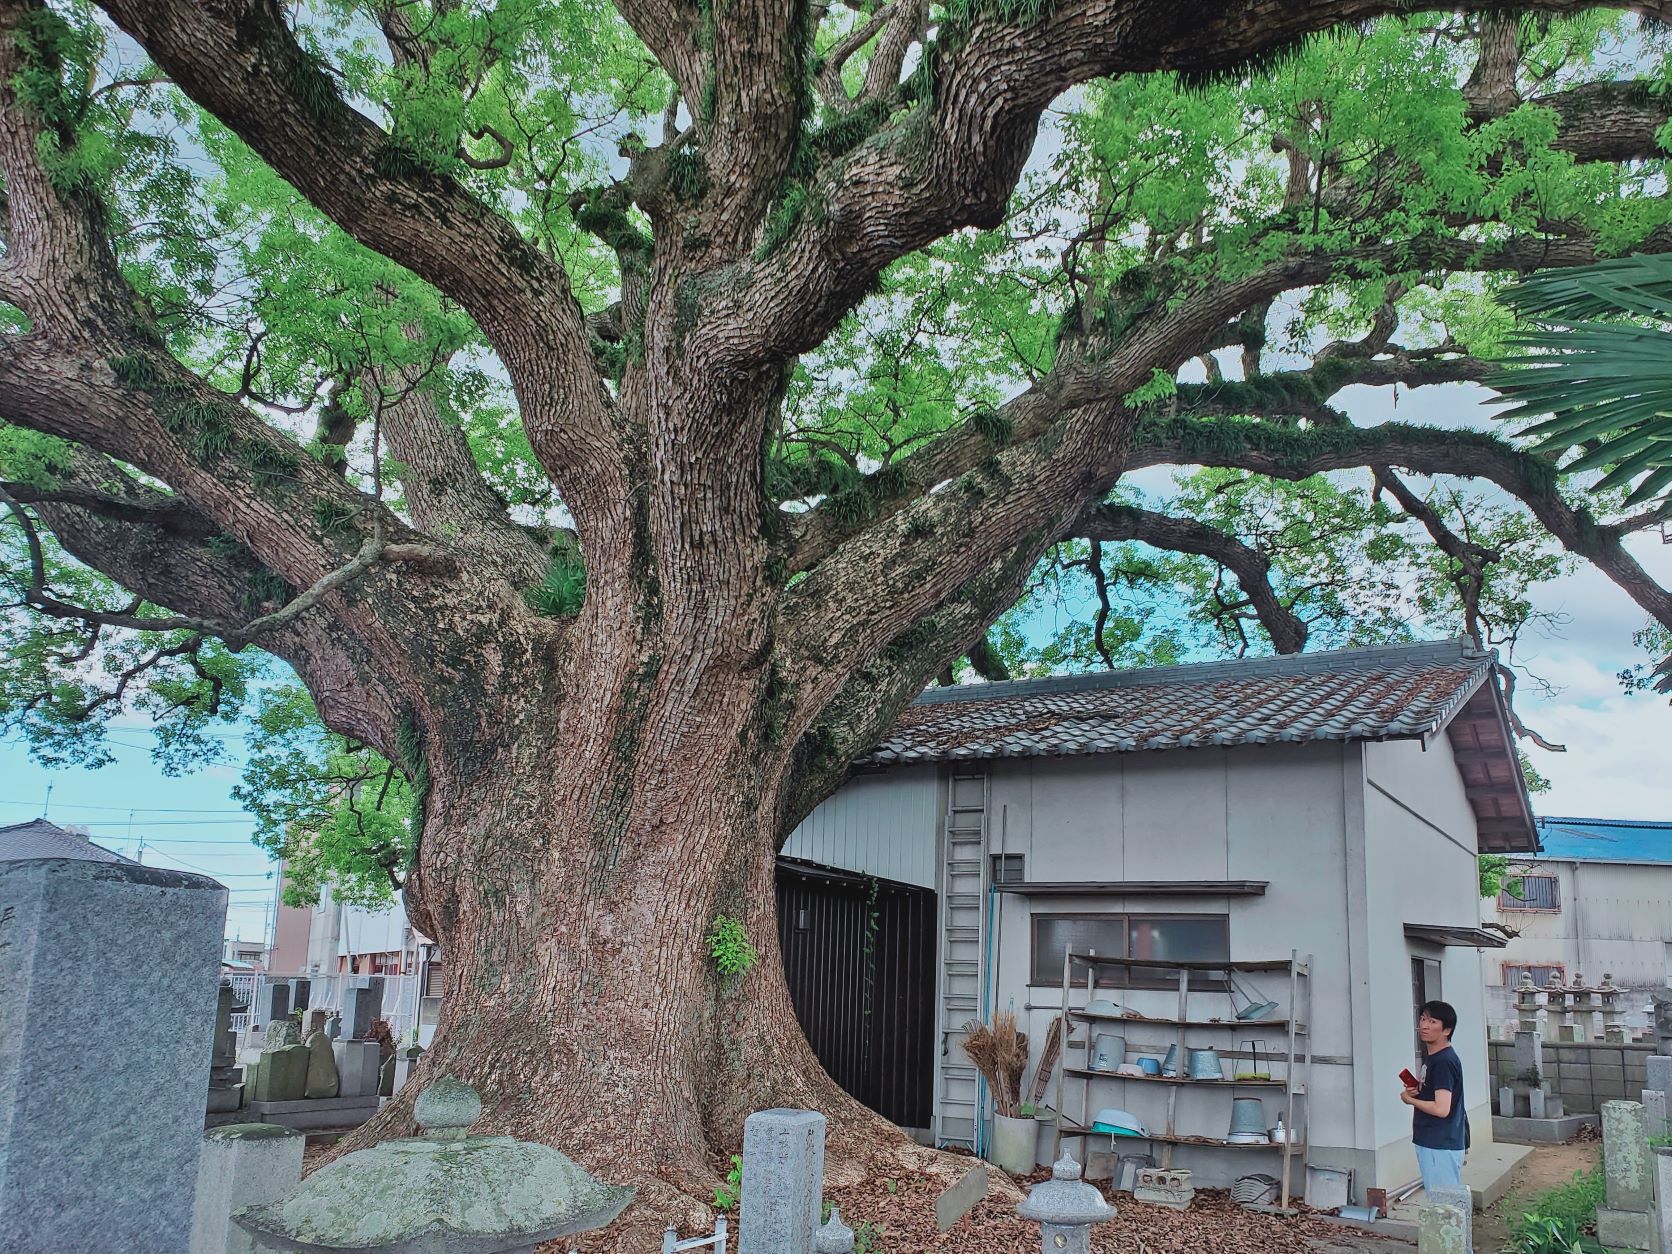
{"points": [[478, 1192], [226, 1078], [242, 1164], [114, 1161], [322, 1067], [1626, 1220], [1065, 1207], [783, 1180]]}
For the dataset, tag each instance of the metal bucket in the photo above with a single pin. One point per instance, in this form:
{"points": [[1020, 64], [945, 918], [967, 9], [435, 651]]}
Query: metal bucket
{"points": [[1170, 1064], [1204, 1065], [1108, 1051], [1248, 1120]]}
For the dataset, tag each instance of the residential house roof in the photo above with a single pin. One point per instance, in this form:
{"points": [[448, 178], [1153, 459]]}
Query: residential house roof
{"points": [[1605, 840], [1391, 692], [41, 839]]}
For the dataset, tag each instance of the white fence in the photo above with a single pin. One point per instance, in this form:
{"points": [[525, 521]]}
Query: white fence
{"points": [[325, 992]]}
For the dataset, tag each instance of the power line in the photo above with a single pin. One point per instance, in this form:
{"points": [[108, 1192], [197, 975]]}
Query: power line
{"points": [[124, 809]]}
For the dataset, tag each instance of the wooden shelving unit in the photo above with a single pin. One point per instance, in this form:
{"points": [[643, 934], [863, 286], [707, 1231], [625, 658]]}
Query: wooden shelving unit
{"points": [[1297, 1061]]}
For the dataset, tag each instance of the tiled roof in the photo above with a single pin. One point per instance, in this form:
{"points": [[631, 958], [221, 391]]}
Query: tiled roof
{"points": [[40, 839], [1391, 692], [1605, 840]]}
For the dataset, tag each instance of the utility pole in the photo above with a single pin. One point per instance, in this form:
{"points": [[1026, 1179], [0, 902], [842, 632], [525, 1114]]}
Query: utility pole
{"points": [[47, 808]]}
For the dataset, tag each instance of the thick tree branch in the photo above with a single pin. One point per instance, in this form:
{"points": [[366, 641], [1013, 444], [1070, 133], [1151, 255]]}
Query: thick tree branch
{"points": [[954, 159], [1112, 522], [445, 492], [867, 704], [1285, 453], [239, 61]]}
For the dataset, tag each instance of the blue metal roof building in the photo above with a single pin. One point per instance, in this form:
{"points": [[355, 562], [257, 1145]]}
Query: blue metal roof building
{"points": [[1604, 840]]}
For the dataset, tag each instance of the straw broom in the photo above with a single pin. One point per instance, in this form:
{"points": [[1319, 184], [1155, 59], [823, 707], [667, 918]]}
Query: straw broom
{"points": [[1000, 1054]]}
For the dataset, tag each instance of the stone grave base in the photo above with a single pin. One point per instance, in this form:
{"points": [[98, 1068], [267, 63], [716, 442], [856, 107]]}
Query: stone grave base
{"points": [[314, 1112], [1524, 1131], [229, 1098]]}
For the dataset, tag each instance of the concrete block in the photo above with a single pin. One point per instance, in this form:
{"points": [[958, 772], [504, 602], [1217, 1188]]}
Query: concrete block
{"points": [[1625, 1230], [242, 1164], [108, 978], [1540, 1131], [783, 1168]]}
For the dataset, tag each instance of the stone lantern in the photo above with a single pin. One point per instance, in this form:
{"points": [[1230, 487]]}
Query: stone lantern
{"points": [[445, 1192], [1065, 1208]]}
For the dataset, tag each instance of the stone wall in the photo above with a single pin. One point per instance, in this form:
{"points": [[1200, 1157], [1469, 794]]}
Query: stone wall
{"points": [[1585, 1074]]}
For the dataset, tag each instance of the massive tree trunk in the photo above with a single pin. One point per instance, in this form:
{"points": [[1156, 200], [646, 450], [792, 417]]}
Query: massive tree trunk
{"points": [[572, 868]]}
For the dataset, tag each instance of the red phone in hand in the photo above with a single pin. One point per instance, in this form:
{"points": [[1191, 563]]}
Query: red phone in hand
{"points": [[1408, 1080]]}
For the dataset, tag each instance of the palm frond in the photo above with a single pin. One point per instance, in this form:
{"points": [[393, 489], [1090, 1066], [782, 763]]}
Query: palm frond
{"points": [[1603, 387]]}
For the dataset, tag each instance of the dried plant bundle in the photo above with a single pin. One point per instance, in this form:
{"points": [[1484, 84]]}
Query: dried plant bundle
{"points": [[1000, 1054]]}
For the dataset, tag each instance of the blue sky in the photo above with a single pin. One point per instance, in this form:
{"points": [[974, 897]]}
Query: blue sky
{"points": [[190, 823]]}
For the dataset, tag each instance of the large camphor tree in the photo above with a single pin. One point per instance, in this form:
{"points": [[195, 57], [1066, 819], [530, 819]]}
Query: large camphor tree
{"points": [[615, 415]]}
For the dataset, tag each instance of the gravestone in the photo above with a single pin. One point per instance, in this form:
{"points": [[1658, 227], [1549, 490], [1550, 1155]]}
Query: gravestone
{"points": [[275, 1003], [101, 1097], [316, 1022], [282, 1032], [1657, 1073], [226, 1088], [1442, 1230], [1625, 1221], [1655, 1116], [1461, 1198], [242, 1164], [282, 1075], [1662, 998], [783, 1181], [358, 1067], [360, 1007], [322, 1080], [299, 991], [406, 1060]]}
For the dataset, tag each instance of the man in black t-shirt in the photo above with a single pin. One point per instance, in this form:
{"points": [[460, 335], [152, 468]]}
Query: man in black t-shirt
{"points": [[1439, 1124]]}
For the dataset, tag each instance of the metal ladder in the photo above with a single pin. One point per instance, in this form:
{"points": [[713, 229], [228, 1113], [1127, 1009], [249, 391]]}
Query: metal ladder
{"points": [[963, 876]]}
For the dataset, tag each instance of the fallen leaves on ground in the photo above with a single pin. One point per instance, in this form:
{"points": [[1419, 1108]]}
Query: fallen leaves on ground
{"points": [[901, 1219]]}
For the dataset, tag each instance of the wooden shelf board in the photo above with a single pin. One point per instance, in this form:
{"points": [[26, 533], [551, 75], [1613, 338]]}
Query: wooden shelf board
{"points": [[1074, 1129], [1269, 964], [1088, 1074], [1092, 1016]]}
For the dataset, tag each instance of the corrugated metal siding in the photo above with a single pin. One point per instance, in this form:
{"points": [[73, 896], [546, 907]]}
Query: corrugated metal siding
{"points": [[882, 825], [865, 1001]]}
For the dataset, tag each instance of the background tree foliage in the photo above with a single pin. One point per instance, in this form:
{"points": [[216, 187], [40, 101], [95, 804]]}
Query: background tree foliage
{"points": [[1425, 165]]}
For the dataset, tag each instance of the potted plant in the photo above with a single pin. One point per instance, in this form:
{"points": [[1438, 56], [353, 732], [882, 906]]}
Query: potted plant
{"points": [[1000, 1054]]}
